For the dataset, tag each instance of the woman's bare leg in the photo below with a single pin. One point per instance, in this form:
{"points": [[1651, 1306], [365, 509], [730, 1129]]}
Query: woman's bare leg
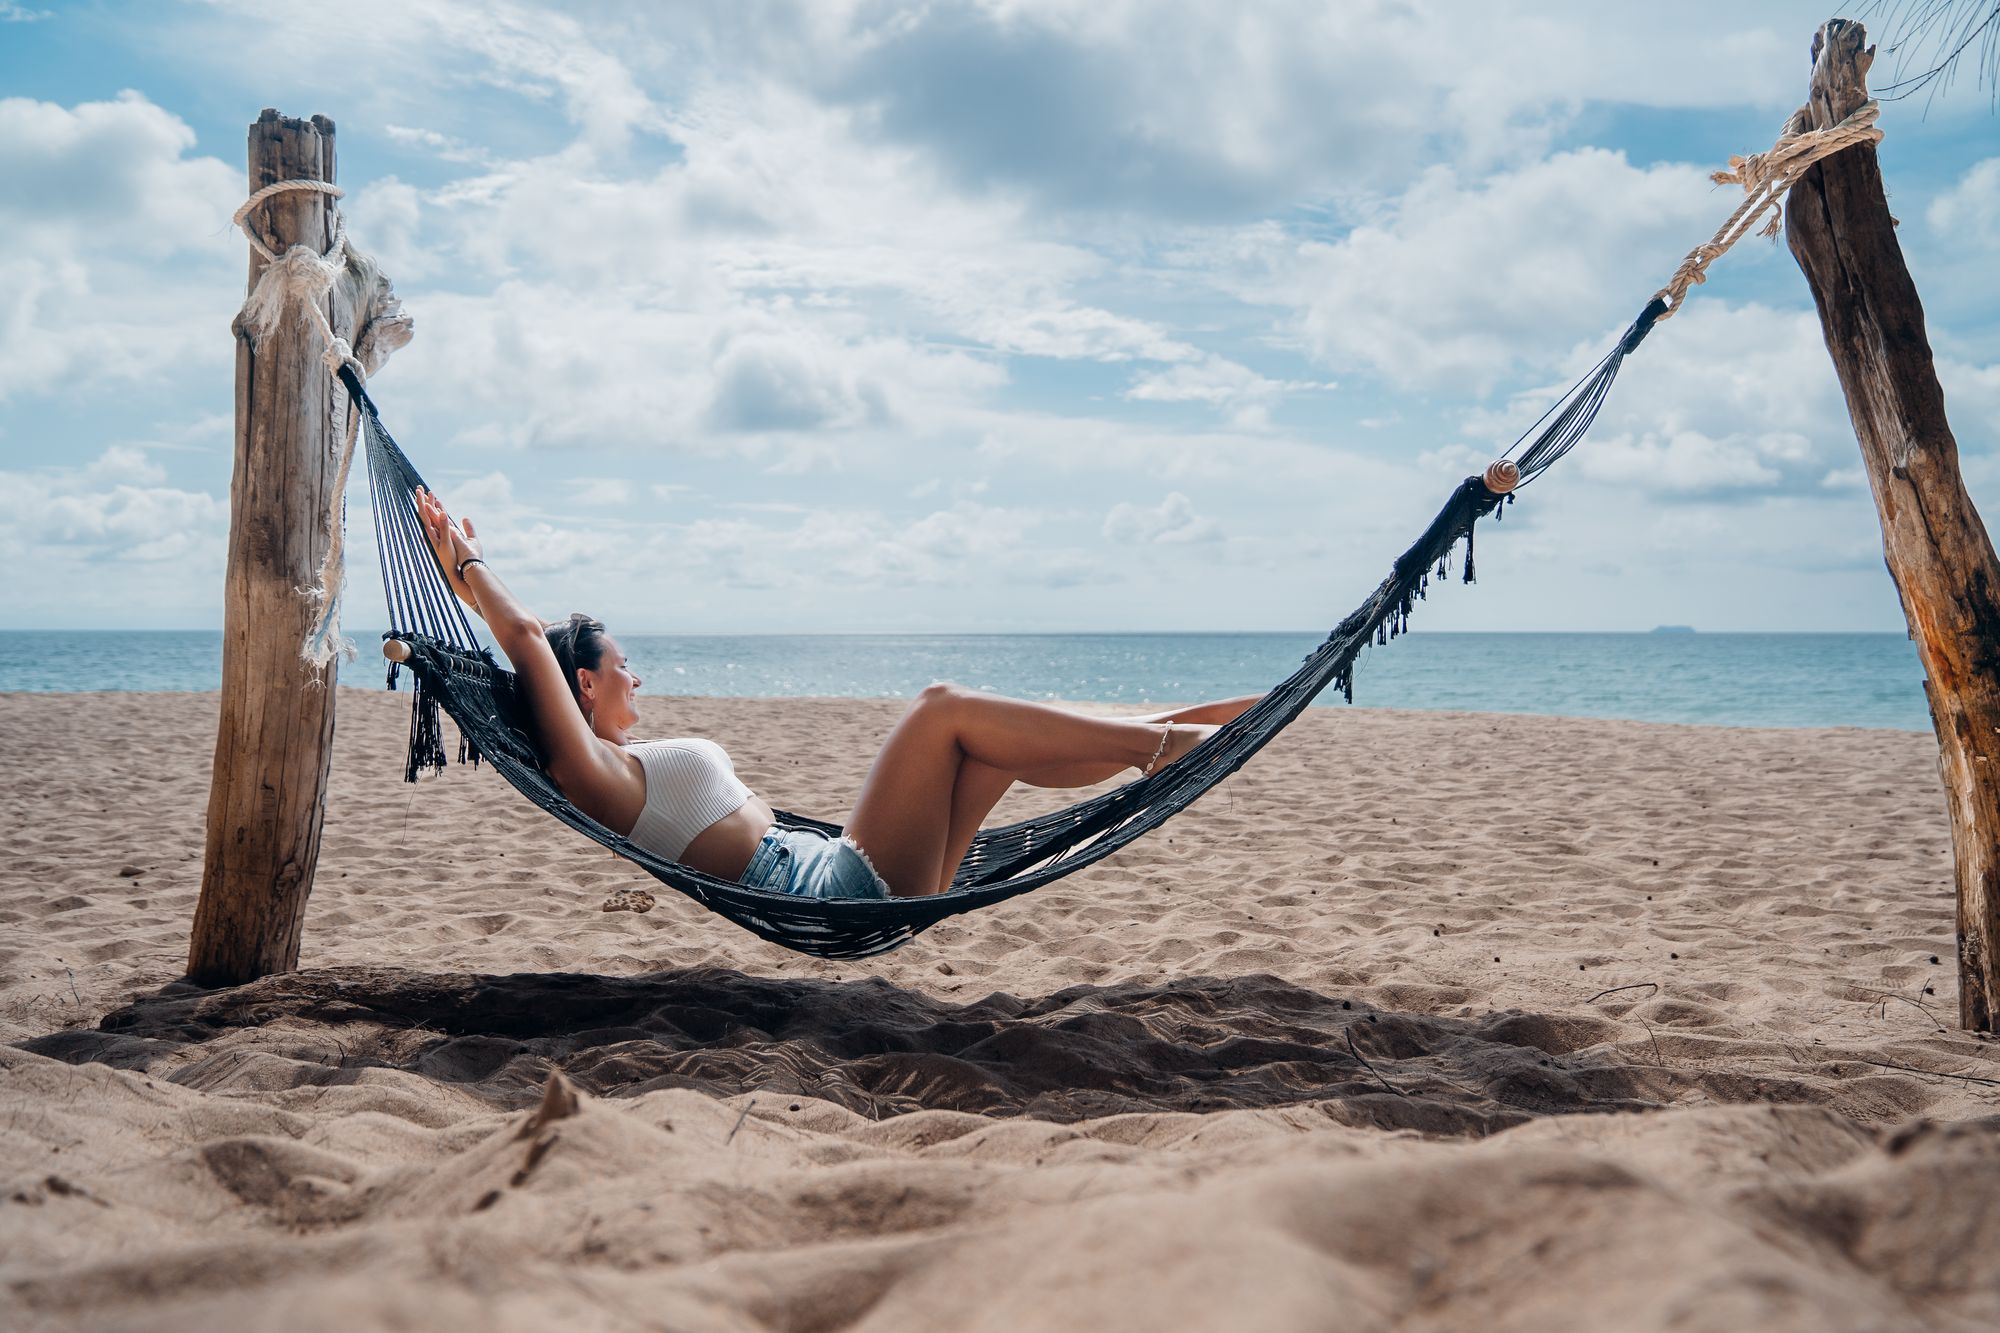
{"points": [[1089, 775], [979, 786], [974, 793], [977, 783], [904, 815]]}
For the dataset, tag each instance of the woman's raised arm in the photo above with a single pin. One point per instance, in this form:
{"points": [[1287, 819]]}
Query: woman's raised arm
{"points": [[583, 765]]}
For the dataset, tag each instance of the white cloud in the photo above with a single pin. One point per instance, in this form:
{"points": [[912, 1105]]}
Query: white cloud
{"points": [[113, 258], [1229, 110], [1972, 396], [385, 220], [1220, 383], [115, 509], [1723, 399], [1170, 522], [600, 492], [861, 552], [581, 556], [1968, 214], [110, 177], [1458, 283], [1049, 325], [490, 492], [123, 465], [538, 365], [1687, 462], [771, 380], [779, 224], [445, 147], [408, 52], [1972, 400]]}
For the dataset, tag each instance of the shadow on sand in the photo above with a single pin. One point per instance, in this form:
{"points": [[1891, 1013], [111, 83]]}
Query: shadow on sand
{"points": [[1196, 1044]]}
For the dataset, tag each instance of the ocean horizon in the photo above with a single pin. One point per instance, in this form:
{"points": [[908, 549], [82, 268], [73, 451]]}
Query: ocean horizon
{"points": [[1729, 679]]}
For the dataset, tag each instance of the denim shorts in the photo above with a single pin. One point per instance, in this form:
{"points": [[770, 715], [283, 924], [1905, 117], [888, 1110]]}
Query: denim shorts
{"points": [[812, 864]]}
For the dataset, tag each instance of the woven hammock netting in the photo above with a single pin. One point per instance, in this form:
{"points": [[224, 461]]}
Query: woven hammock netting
{"points": [[454, 672]]}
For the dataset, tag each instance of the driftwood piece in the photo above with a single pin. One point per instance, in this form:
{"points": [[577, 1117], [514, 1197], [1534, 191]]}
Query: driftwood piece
{"points": [[268, 787], [1938, 552]]}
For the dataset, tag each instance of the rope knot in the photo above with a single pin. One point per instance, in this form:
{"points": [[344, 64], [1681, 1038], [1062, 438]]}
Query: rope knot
{"points": [[338, 354], [1752, 170], [299, 276], [1766, 179]]}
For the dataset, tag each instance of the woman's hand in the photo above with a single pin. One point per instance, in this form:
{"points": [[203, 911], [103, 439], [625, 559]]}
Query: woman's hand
{"points": [[453, 544]]}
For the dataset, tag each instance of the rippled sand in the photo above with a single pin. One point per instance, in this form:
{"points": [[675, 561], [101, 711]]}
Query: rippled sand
{"points": [[1422, 1021]]}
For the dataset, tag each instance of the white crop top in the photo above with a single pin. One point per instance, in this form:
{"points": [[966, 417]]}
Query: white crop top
{"points": [[690, 784]]}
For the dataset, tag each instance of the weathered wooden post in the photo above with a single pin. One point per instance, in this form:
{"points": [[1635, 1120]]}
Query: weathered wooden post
{"points": [[1840, 230], [267, 793]]}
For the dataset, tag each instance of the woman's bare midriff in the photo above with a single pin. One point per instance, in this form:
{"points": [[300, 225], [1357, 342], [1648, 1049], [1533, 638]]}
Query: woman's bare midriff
{"points": [[724, 848]]}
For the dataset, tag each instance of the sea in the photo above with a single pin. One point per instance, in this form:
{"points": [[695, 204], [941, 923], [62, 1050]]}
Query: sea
{"points": [[1744, 680]]}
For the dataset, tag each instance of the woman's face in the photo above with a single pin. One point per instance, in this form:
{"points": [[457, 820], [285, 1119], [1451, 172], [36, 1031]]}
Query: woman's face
{"points": [[607, 691]]}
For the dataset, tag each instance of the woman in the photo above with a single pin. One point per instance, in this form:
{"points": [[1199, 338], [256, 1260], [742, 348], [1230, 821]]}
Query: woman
{"points": [[944, 766]]}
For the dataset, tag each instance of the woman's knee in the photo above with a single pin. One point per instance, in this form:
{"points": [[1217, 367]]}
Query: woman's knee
{"points": [[936, 697]]}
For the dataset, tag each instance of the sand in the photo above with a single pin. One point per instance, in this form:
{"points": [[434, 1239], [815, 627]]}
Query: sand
{"points": [[1423, 1021]]}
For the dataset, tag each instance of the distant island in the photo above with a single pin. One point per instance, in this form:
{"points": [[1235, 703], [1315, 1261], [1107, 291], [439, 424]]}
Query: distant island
{"points": [[1673, 629]]}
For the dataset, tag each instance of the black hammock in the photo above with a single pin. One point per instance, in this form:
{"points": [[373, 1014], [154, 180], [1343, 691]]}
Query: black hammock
{"points": [[454, 672]]}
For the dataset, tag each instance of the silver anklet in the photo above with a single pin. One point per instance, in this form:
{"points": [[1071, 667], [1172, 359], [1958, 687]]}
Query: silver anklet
{"points": [[1166, 730]]}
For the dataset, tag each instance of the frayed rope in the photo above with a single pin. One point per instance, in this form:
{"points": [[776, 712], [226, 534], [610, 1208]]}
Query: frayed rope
{"points": [[301, 278]]}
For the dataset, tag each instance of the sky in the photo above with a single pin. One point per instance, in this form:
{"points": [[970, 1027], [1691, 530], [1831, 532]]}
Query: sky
{"points": [[1009, 316]]}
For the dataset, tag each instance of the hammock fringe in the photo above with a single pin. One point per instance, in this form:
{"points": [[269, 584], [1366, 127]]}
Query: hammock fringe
{"points": [[426, 749]]}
